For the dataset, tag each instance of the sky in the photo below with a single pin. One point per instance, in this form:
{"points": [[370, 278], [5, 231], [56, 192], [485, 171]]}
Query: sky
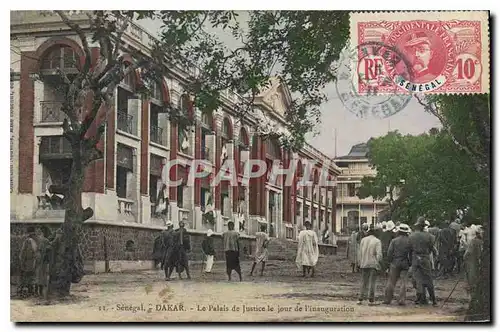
{"points": [[349, 128]]}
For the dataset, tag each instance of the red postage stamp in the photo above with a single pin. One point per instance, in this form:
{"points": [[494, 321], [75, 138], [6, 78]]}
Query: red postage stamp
{"points": [[421, 52]]}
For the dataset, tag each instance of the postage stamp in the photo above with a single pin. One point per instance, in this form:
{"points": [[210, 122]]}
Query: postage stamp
{"points": [[445, 52]]}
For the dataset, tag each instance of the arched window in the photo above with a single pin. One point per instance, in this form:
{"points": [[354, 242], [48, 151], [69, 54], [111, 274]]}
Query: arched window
{"points": [[62, 57], [184, 104], [129, 81], [226, 129], [207, 119], [183, 132], [156, 93], [243, 140], [156, 108], [273, 149]]}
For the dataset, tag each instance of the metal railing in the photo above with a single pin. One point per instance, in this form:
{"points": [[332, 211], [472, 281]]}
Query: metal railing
{"points": [[156, 134], [125, 122], [51, 112]]}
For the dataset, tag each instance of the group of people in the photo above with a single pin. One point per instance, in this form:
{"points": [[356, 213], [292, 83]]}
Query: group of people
{"points": [[37, 254], [421, 254], [171, 250]]}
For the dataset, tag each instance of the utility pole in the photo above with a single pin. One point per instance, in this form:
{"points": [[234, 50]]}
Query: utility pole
{"points": [[335, 151]]}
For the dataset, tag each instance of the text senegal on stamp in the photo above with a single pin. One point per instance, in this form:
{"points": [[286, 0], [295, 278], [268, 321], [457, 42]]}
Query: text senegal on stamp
{"points": [[448, 52]]}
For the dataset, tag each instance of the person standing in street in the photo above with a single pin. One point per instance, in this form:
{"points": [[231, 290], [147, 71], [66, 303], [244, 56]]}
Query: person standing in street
{"points": [[167, 245], [370, 257], [386, 238], [42, 261], [398, 257], [472, 261], [447, 246], [307, 250], [27, 259], [352, 250], [422, 245], [261, 253], [208, 250], [231, 240], [181, 247]]}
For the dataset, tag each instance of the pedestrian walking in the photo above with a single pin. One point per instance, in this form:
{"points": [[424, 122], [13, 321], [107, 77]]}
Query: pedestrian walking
{"points": [[422, 245], [231, 240], [308, 250], [208, 250], [261, 253], [370, 257], [398, 257]]}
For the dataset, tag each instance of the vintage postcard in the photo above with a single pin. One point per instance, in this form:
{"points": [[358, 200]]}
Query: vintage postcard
{"points": [[164, 167]]}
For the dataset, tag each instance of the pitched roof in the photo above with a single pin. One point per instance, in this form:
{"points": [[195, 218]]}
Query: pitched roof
{"points": [[358, 151]]}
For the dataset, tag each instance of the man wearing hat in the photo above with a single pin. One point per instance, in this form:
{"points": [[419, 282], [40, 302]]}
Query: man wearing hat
{"points": [[370, 256], [398, 257], [167, 247], [422, 245], [207, 246], [386, 238], [419, 48]]}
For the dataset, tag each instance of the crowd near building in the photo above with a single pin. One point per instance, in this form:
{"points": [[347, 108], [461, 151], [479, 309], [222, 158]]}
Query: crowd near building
{"points": [[126, 190]]}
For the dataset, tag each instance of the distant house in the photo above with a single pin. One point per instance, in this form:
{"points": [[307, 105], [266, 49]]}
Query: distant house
{"points": [[351, 210]]}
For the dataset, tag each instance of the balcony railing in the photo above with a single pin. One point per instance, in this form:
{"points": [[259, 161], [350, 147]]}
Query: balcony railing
{"points": [[156, 134], [125, 122], [126, 209], [51, 112]]}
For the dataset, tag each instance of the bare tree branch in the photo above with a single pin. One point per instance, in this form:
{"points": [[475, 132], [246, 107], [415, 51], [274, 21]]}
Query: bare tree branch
{"points": [[92, 155], [89, 118], [75, 27], [118, 38], [59, 189]]}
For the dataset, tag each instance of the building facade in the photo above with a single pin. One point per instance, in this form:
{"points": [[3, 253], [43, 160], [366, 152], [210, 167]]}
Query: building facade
{"points": [[125, 187], [353, 211]]}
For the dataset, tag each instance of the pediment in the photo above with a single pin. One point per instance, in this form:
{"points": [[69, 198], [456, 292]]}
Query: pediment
{"points": [[276, 97]]}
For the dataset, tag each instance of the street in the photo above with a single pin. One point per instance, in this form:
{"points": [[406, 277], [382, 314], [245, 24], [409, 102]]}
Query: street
{"points": [[282, 295]]}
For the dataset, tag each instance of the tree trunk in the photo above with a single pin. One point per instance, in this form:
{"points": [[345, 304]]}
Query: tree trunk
{"points": [[64, 247], [479, 306]]}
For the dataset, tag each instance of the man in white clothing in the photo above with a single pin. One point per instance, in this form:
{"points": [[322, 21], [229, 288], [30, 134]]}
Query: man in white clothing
{"points": [[308, 250], [369, 257], [207, 247]]}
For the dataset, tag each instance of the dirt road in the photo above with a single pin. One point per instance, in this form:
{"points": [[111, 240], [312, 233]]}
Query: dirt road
{"points": [[281, 295]]}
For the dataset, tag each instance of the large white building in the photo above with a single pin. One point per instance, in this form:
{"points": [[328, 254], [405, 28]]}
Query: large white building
{"points": [[352, 210]]}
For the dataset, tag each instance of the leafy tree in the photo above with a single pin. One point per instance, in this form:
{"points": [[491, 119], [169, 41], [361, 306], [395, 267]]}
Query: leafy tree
{"points": [[444, 171], [298, 47], [467, 119]]}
